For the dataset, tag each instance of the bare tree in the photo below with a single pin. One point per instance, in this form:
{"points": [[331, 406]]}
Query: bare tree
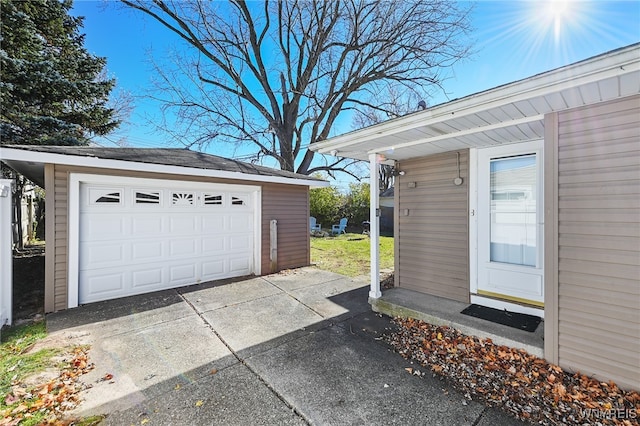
{"points": [[396, 104], [280, 74]]}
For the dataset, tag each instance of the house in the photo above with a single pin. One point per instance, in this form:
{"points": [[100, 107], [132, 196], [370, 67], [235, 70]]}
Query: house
{"points": [[125, 221], [525, 197]]}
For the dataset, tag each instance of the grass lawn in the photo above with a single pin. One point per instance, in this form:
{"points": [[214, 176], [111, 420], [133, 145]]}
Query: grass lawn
{"points": [[348, 254]]}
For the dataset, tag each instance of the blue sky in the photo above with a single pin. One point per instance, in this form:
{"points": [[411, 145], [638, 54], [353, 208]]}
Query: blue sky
{"points": [[512, 40]]}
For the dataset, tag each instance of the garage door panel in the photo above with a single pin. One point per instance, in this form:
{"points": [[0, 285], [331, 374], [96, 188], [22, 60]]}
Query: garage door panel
{"points": [[213, 245], [212, 223], [239, 242], [146, 250], [185, 247], [182, 225], [146, 225], [152, 239], [147, 277], [99, 227], [101, 287], [102, 254], [180, 274], [213, 269], [239, 222]]}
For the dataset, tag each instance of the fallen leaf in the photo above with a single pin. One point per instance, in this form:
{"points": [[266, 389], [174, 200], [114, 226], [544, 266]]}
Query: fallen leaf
{"points": [[199, 403], [107, 376], [214, 370], [177, 386]]}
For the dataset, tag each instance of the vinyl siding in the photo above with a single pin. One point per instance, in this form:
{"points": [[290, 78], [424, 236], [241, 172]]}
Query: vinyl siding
{"points": [[289, 204], [432, 241], [598, 242]]}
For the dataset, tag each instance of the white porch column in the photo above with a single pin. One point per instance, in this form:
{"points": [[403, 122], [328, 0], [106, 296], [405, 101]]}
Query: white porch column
{"points": [[6, 243], [374, 228]]}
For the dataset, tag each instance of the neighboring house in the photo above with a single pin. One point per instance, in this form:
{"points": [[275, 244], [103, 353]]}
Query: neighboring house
{"points": [[386, 209], [526, 197], [125, 221]]}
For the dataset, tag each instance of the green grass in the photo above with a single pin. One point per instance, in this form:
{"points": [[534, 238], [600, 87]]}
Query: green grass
{"points": [[348, 254], [16, 364]]}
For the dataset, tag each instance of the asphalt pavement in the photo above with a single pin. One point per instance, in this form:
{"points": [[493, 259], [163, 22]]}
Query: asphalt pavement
{"points": [[294, 348]]}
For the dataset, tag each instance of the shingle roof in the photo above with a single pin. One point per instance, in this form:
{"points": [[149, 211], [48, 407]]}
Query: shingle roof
{"points": [[165, 156]]}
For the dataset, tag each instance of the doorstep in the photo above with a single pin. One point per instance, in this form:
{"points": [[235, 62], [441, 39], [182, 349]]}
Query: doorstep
{"points": [[400, 302]]}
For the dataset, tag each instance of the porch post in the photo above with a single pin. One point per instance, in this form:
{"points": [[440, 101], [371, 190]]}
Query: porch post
{"points": [[6, 244], [374, 228]]}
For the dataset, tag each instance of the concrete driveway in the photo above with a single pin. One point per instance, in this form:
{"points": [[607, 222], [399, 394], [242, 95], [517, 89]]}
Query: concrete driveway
{"points": [[298, 347]]}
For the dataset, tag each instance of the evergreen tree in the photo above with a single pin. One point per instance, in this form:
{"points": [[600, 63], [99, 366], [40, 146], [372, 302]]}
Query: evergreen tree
{"points": [[52, 90]]}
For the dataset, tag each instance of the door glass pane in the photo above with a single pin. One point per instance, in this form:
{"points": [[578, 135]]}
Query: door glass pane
{"points": [[513, 210]]}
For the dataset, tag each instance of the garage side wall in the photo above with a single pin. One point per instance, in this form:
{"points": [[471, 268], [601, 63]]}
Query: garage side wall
{"points": [[432, 233], [598, 241], [289, 204]]}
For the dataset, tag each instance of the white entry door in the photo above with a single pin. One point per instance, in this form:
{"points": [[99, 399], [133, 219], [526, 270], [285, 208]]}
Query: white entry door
{"points": [[510, 223]]}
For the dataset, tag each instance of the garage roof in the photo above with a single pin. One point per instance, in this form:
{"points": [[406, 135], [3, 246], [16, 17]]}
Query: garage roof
{"points": [[506, 114], [30, 159]]}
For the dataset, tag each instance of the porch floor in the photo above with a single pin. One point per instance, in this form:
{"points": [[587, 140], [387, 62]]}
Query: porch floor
{"points": [[440, 311]]}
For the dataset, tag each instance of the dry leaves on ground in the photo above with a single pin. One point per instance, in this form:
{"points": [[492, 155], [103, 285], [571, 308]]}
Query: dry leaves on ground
{"points": [[50, 399], [525, 385]]}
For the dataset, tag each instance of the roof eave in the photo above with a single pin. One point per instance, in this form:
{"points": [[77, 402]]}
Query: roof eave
{"points": [[615, 62], [26, 156]]}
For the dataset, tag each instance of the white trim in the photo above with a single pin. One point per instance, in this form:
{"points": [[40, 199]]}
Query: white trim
{"points": [[16, 154], [457, 134], [374, 228], [257, 233], [6, 243], [473, 219], [484, 156], [73, 239], [73, 236], [502, 304]]}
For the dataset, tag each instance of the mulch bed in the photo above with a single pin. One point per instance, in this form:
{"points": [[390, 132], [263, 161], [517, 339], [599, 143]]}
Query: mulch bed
{"points": [[527, 386]]}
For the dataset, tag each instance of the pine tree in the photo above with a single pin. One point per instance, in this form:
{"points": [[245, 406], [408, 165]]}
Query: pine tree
{"points": [[52, 90]]}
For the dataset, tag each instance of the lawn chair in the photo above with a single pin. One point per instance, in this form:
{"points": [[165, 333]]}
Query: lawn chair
{"points": [[313, 226], [340, 228]]}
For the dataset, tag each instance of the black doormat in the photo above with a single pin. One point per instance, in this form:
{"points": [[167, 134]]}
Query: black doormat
{"points": [[512, 319]]}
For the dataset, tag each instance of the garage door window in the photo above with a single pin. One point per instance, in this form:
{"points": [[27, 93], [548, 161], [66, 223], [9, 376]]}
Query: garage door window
{"points": [[212, 199], [238, 201], [147, 197], [105, 196], [182, 199]]}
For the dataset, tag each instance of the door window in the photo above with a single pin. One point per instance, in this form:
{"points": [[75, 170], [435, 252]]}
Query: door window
{"points": [[513, 234]]}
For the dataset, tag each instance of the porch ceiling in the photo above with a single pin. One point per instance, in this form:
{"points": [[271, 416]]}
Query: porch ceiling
{"points": [[507, 114]]}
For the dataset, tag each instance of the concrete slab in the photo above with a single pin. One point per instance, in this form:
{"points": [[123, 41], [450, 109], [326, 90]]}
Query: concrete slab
{"points": [[334, 377], [233, 396], [262, 323], [149, 361], [303, 277], [335, 298], [212, 296], [120, 315], [440, 311]]}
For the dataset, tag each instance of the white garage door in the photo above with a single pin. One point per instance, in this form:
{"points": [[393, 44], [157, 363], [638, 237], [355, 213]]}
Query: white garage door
{"points": [[140, 238]]}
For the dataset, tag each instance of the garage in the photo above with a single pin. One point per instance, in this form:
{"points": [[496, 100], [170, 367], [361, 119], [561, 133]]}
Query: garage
{"points": [[129, 221], [143, 236]]}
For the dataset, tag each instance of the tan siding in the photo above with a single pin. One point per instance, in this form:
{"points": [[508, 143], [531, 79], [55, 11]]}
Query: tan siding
{"points": [[61, 188], [432, 242], [598, 214], [289, 204]]}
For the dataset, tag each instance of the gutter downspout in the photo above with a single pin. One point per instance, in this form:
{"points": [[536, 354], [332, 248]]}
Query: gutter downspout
{"points": [[374, 233]]}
